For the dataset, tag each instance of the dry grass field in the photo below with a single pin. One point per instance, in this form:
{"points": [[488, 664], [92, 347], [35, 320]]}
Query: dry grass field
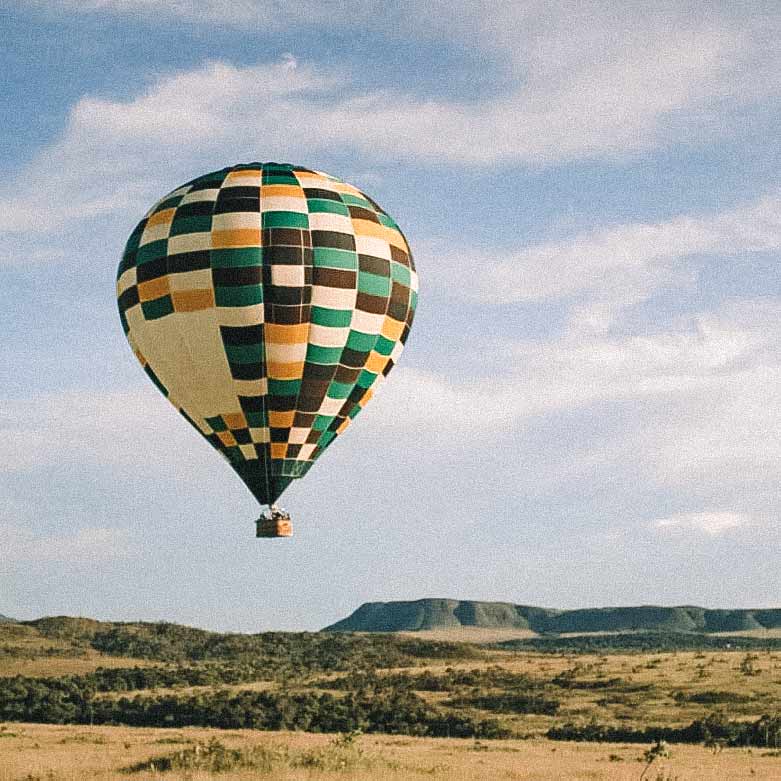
{"points": [[55, 666], [25, 652], [633, 690], [33, 752], [646, 693], [642, 689]]}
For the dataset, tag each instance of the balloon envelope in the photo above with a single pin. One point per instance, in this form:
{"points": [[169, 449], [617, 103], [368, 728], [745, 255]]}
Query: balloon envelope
{"points": [[267, 301]]}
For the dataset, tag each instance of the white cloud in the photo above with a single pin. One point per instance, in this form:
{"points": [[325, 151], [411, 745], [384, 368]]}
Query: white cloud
{"points": [[120, 156], [727, 434], [723, 361], [617, 265], [87, 545], [612, 422], [88, 429], [715, 357], [212, 12], [579, 85], [712, 523], [214, 102], [693, 412]]}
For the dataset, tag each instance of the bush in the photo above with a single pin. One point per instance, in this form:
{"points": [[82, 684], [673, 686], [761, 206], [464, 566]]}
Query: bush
{"points": [[343, 753], [214, 757], [508, 702], [714, 729]]}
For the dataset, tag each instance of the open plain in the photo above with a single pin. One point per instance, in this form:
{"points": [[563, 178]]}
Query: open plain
{"points": [[36, 752], [158, 701]]}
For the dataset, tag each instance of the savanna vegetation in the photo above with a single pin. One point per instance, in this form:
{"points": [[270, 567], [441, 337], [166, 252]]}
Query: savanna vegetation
{"points": [[45, 752], [643, 642], [151, 676]]}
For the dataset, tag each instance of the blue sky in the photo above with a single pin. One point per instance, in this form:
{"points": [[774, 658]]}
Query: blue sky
{"points": [[587, 412]]}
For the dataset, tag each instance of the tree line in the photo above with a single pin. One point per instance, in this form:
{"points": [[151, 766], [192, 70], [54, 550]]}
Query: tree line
{"points": [[73, 701], [299, 651], [640, 642], [716, 729]]}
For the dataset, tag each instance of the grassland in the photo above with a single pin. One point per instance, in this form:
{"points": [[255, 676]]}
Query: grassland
{"points": [[411, 685], [25, 650], [64, 753]]}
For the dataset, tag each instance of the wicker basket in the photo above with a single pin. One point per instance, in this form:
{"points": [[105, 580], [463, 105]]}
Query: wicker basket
{"points": [[274, 527]]}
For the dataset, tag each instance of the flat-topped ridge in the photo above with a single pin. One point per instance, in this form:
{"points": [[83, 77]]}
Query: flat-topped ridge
{"points": [[431, 613]]}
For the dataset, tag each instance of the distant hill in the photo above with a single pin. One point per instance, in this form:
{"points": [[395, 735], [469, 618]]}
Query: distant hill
{"points": [[7, 620], [429, 614]]}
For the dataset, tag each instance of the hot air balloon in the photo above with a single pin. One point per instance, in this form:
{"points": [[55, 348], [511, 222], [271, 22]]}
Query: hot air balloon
{"points": [[267, 301]]}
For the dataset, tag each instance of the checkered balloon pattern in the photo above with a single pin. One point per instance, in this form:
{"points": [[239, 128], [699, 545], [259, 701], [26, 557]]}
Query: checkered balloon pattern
{"points": [[267, 301]]}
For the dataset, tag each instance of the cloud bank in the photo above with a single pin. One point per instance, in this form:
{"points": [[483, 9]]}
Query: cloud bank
{"points": [[711, 523], [620, 264], [87, 545], [596, 83]]}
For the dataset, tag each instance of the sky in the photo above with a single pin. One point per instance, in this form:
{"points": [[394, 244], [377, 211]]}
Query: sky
{"points": [[587, 411]]}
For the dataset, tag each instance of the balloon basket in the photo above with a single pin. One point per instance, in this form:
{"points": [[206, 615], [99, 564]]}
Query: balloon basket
{"points": [[274, 526]]}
